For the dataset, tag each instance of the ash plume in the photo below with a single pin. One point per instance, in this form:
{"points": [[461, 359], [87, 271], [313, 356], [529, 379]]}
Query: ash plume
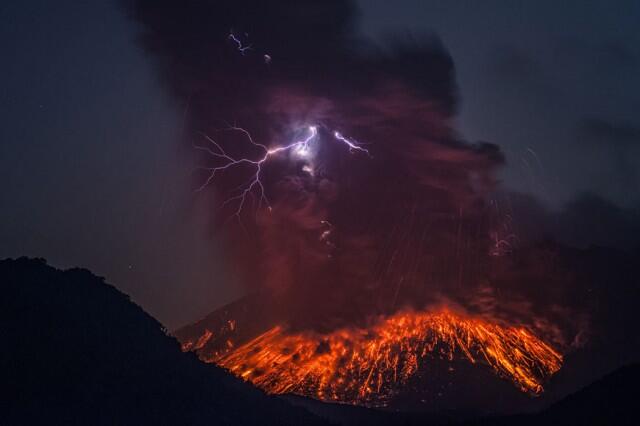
{"points": [[347, 235]]}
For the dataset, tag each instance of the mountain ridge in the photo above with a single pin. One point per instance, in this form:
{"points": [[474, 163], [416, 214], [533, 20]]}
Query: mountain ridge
{"points": [[82, 353]]}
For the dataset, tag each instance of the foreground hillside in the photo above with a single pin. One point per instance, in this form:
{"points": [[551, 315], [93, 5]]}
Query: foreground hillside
{"points": [[612, 400], [77, 351]]}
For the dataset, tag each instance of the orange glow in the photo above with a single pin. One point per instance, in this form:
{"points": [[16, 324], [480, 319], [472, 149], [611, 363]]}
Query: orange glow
{"points": [[357, 365]]}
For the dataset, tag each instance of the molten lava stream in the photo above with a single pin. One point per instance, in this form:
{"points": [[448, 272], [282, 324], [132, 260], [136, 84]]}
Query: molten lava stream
{"points": [[356, 365]]}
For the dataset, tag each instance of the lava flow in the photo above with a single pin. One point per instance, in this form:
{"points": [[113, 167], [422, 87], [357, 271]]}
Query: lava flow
{"points": [[367, 365]]}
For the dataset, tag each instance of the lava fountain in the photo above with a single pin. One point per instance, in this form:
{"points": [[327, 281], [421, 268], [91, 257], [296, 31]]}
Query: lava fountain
{"points": [[368, 365]]}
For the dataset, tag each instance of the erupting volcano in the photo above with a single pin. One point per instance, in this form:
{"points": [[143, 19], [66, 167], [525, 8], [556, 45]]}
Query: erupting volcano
{"points": [[343, 191], [299, 217], [368, 365]]}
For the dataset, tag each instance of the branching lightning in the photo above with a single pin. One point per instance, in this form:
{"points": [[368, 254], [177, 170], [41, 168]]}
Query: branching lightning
{"points": [[242, 48], [352, 145], [301, 148], [238, 42]]}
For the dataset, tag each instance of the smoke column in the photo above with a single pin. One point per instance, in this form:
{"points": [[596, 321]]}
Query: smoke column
{"points": [[343, 191]]}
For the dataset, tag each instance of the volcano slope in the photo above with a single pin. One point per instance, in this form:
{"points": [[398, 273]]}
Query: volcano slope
{"points": [[601, 287], [78, 351]]}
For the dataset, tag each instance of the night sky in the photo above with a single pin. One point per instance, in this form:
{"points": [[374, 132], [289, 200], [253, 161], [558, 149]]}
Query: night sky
{"points": [[95, 176]]}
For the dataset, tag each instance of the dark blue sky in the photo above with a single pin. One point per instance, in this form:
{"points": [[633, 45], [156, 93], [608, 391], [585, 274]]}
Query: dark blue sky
{"points": [[94, 175], [534, 77], [93, 171]]}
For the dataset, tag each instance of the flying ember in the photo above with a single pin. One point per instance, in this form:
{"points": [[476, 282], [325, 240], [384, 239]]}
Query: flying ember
{"points": [[368, 365]]}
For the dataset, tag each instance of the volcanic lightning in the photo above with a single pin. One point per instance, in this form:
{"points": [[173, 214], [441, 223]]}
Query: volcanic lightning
{"points": [[352, 145], [241, 48], [367, 365], [301, 148]]}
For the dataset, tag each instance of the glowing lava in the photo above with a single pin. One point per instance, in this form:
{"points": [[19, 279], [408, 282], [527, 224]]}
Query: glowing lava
{"points": [[367, 365]]}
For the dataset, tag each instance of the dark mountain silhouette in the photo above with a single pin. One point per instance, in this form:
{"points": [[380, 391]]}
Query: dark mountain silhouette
{"points": [[611, 400], [608, 401], [78, 351]]}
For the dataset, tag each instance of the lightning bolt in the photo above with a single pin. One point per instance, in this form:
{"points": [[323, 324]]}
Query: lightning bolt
{"points": [[237, 41], [242, 48], [301, 148], [353, 146]]}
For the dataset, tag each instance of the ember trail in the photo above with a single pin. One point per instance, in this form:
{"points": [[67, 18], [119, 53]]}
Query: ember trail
{"points": [[367, 365]]}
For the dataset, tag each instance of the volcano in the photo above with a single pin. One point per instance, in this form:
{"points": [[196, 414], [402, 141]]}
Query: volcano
{"points": [[409, 353]]}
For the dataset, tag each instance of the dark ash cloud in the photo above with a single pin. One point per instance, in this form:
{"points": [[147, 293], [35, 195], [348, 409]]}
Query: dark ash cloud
{"points": [[409, 224], [619, 134]]}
